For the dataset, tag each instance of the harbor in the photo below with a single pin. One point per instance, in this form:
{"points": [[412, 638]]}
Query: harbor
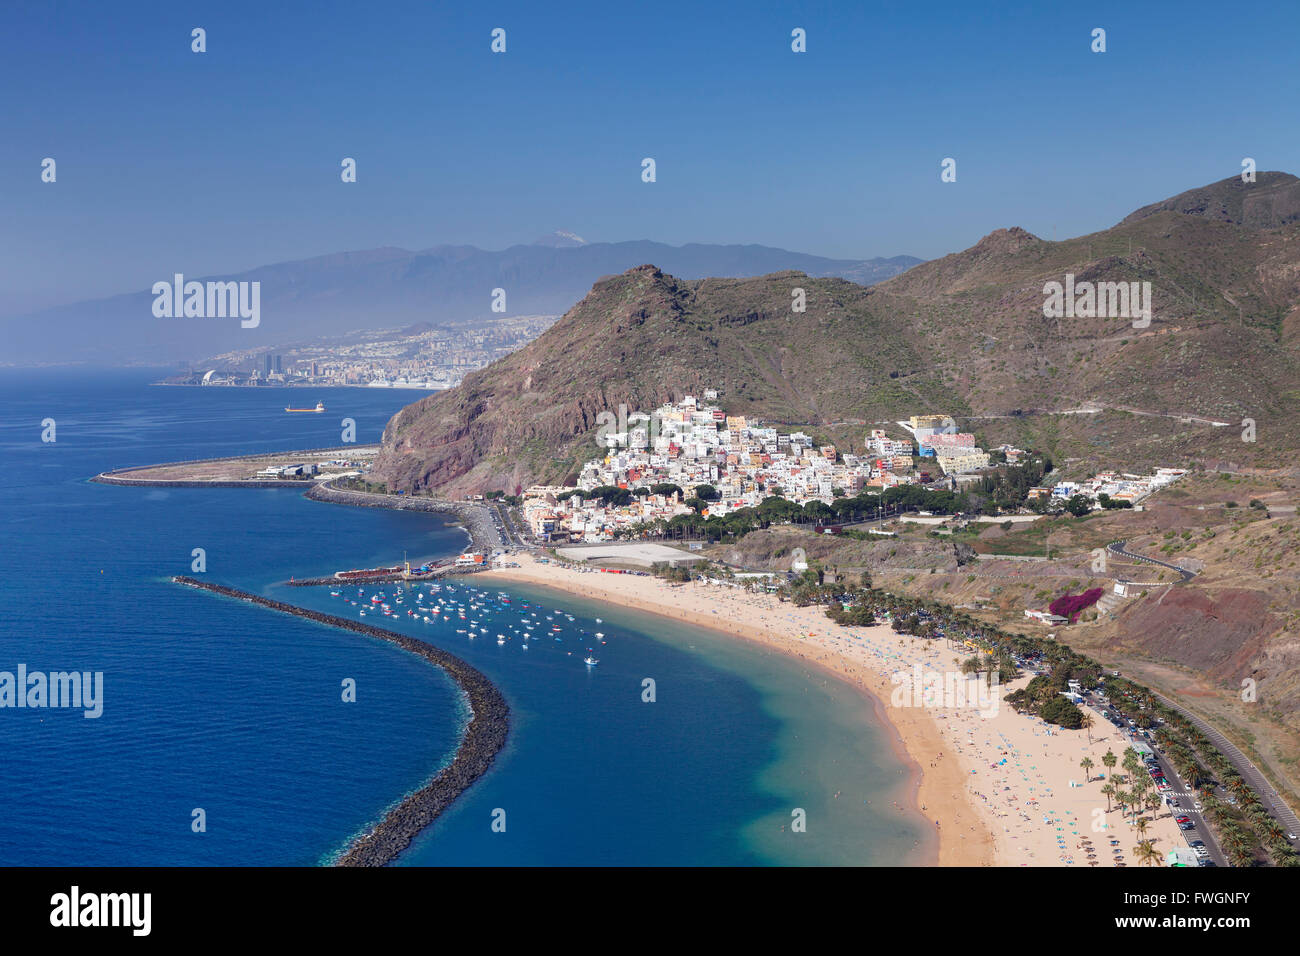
{"points": [[318, 472], [286, 469]]}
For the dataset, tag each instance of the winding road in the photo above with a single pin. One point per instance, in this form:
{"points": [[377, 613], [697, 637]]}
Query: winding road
{"points": [[1117, 547]]}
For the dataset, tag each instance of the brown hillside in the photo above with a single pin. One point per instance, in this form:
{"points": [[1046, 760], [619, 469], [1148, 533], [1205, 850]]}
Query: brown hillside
{"points": [[965, 333]]}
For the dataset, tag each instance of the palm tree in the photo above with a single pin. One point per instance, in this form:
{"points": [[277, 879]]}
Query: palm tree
{"points": [[1236, 842], [1109, 791], [1142, 825], [1131, 762], [1147, 853], [1086, 764], [1086, 724], [1109, 759]]}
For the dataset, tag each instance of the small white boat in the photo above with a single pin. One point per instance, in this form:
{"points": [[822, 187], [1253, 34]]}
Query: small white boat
{"points": [[590, 661]]}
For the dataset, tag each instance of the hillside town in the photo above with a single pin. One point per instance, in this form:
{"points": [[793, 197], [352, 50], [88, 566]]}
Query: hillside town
{"points": [[1110, 486], [691, 456]]}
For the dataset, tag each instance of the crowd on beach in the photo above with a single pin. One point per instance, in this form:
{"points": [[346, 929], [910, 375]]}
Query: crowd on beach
{"points": [[1001, 788]]}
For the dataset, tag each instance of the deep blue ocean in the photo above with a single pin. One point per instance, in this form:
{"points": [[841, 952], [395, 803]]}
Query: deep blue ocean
{"points": [[237, 710]]}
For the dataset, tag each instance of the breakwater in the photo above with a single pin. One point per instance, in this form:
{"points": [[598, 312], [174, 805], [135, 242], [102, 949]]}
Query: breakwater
{"points": [[414, 578], [484, 736], [110, 479], [122, 476], [476, 518]]}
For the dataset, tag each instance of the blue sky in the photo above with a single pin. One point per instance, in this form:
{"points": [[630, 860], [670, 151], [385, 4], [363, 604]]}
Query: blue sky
{"points": [[171, 161]]}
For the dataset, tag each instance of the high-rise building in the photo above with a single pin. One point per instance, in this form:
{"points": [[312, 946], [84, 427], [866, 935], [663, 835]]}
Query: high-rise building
{"points": [[277, 363], [266, 368]]}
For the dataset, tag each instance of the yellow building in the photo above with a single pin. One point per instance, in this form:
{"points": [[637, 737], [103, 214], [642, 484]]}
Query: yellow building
{"points": [[954, 461]]}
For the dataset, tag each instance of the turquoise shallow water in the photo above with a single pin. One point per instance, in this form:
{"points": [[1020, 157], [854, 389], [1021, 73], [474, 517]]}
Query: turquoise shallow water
{"points": [[216, 705]]}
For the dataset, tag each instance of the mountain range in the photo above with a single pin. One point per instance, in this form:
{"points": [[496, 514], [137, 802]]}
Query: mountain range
{"points": [[1211, 383], [387, 288], [967, 334]]}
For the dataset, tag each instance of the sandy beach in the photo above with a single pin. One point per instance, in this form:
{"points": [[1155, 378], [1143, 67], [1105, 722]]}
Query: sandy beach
{"points": [[1001, 789]]}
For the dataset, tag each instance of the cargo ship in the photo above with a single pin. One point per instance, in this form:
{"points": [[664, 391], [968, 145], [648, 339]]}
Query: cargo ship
{"points": [[320, 407]]}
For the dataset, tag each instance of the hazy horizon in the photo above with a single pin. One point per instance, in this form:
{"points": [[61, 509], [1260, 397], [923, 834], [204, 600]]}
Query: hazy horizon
{"points": [[217, 162]]}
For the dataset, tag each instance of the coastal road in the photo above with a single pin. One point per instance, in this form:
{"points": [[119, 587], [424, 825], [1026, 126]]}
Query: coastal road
{"points": [[1117, 547], [1186, 798], [1269, 796], [1271, 799], [506, 525]]}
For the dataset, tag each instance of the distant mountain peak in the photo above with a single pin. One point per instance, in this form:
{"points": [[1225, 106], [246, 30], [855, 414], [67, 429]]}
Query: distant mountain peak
{"points": [[1006, 240], [389, 287], [1272, 200], [561, 239]]}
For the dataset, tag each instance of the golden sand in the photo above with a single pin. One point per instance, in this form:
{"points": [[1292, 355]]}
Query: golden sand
{"points": [[996, 785]]}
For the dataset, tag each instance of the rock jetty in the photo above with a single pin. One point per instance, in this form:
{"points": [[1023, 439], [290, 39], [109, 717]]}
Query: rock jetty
{"points": [[484, 737], [476, 518]]}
